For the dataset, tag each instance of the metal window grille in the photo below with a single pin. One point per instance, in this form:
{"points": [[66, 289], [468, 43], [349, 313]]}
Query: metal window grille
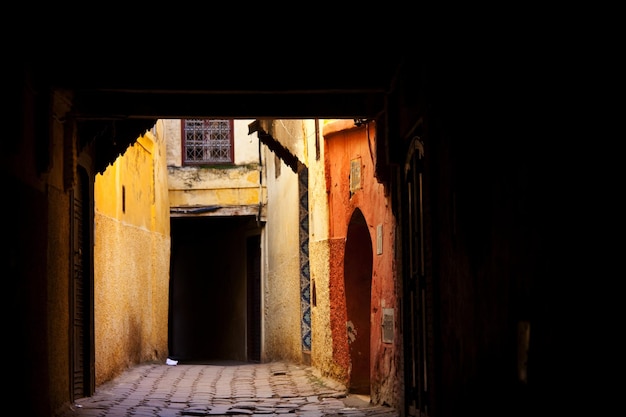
{"points": [[208, 141]]}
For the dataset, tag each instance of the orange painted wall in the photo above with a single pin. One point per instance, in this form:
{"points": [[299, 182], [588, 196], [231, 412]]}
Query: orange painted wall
{"points": [[344, 143]]}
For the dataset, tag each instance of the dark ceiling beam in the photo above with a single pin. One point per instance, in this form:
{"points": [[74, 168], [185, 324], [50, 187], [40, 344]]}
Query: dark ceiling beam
{"points": [[225, 77], [119, 106]]}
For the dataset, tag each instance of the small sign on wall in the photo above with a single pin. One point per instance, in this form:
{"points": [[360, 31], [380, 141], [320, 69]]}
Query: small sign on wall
{"points": [[387, 325], [355, 175]]}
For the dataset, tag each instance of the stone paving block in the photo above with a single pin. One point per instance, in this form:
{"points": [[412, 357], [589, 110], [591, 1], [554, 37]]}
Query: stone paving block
{"points": [[168, 412], [246, 404], [195, 411], [177, 405], [263, 410], [144, 412], [243, 411]]}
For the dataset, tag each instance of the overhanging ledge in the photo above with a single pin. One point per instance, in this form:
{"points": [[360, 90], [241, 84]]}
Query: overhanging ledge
{"points": [[218, 211]]}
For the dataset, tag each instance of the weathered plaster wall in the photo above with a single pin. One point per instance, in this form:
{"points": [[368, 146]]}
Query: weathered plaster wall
{"points": [[170, 131], [246, 145], [281, 287], [344, 143], [131, 260], [193, 186], [319, 257]]}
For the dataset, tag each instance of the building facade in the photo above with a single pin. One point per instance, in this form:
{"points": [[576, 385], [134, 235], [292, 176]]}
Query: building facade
{"points": [[363, 289], [347, 284]]}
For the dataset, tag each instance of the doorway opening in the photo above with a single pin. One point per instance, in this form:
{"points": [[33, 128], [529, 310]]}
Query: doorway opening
{"points": [[214, 310], [358, 283]]}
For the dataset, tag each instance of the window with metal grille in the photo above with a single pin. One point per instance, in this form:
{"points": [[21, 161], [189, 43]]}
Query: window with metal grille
{"points": [[207, 141]]}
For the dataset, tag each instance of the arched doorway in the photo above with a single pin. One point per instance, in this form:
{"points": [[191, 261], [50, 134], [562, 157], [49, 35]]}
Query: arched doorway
{"points": [[357, 272]]}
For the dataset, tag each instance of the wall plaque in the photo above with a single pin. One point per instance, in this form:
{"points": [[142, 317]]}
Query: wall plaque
{"points": [[388, 328]]}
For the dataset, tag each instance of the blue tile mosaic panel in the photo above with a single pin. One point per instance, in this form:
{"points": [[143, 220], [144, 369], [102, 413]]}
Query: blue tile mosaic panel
{"points": [[305, 273]]}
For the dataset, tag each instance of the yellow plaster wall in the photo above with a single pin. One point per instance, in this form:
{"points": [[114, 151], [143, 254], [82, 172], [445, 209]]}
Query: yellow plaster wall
{"points": [[131, 259], [192, 186], [281, 286], [319, 253], [220, 197]]}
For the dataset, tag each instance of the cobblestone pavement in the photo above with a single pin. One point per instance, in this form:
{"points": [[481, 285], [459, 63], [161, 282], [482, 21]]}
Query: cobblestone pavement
{"points": [[221, 389]]}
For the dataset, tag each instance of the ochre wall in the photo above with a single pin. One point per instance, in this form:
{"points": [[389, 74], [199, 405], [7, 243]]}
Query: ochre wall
{"points": [[281, 285], [320, 257], [191, 186], [344, 142], [131, 260]]}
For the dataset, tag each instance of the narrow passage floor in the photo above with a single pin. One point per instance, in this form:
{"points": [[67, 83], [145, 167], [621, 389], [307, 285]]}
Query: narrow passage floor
{"points": [[223, 389]]}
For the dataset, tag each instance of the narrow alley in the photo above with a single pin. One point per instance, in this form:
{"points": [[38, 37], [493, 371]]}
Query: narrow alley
{"points": [[223, 389], [401, 211]]}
